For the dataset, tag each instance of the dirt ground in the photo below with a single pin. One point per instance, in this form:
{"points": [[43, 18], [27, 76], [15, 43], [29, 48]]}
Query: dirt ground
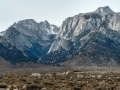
{"points": [[74, 79]]}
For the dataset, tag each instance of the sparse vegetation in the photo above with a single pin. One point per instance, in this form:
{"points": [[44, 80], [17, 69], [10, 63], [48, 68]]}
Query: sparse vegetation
{"points": [[69, 80]]}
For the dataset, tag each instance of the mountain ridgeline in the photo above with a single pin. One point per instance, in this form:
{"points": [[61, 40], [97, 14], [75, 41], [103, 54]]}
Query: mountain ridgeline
{"points": [[30, 38], [86, 39]]}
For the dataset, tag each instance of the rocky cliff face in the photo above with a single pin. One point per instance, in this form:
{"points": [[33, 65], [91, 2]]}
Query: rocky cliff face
{"points": [[11, 54], [94, 38], [30, 38]]}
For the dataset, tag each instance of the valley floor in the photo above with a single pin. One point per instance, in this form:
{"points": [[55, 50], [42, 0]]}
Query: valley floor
{"points": [[62, 79]]}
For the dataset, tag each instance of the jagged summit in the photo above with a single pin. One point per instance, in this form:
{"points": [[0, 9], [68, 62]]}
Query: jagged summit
{"points": [[27, 21], [104, 10], [91, 39], [31, 38], [45, 21]]}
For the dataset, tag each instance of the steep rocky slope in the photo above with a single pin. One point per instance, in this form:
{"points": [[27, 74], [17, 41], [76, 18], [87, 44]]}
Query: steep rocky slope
{"points": [[12, 54], [30, 38], [88, 39]]}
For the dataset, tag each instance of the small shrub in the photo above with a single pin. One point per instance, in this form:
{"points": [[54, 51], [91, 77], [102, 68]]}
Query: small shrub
{"points": [[3, 85]]}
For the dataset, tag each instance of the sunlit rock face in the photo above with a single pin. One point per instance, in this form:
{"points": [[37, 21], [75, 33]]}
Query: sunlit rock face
{"points": [[94, 38], [104, 10], [31, 38]]}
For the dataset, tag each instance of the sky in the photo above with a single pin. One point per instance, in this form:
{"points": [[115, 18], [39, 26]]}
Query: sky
{"points": [[54, 11]]}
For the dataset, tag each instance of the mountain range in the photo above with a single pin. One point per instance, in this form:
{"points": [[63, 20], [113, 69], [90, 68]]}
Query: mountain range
{"points": [[27, 37], [86, 39], [90, 39]]}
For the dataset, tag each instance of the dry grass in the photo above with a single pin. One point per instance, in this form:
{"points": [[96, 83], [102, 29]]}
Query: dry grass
{"points": [[70, 80]]}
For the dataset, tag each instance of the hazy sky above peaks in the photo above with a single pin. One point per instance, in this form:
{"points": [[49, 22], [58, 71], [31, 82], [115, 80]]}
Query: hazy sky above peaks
{"points": [[55, 11]]}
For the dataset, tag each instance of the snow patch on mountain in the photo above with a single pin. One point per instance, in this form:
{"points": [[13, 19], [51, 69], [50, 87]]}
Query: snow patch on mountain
{"points": [[93, 36], [31, 37]]}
